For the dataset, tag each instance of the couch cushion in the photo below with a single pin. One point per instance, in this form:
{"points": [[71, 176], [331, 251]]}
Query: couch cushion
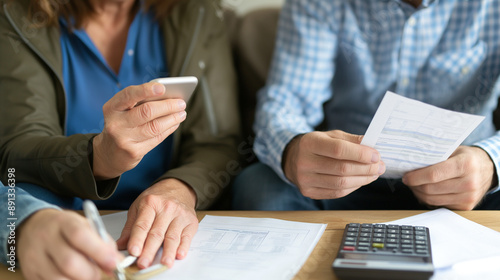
{"points": [[253, 49]]}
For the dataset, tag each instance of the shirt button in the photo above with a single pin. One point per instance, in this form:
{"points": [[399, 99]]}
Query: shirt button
{"points": [[465, 70], [411, 22], [201, 64], [130, 52], [405, 81]]}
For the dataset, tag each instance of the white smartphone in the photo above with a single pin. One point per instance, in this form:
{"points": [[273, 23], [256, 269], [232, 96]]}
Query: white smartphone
{"points": [[175, 87]]}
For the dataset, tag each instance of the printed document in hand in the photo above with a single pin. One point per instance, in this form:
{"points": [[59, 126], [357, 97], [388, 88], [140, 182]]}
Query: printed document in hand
{"points": [[240, 248], [461, 249], [410, 134]]}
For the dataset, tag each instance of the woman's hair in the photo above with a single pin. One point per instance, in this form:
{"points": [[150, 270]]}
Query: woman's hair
{"points": [[47, 12]]}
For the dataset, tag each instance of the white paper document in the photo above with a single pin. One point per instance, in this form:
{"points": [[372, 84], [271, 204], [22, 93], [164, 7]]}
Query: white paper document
{"points": [[240, 248], [410, 134], [461, 249]]}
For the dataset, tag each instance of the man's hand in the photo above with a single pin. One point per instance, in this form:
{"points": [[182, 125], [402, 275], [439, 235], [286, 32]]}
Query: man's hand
{"points": [[132, 130], [326, 165], [57, 244], [162, 214], [458, 183]]}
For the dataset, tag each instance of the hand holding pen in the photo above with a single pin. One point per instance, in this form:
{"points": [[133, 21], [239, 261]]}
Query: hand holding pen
{"points": [[55, 244]]}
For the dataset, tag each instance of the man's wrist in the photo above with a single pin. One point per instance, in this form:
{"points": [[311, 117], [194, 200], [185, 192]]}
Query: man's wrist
{"points": [[288, 157], [494, 182]]}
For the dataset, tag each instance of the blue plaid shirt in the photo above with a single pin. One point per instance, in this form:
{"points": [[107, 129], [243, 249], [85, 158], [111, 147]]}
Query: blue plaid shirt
{"points": [[335, 60]]}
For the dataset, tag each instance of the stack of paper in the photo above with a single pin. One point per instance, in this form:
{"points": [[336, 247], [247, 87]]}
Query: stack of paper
{"points": [[461, 249]]}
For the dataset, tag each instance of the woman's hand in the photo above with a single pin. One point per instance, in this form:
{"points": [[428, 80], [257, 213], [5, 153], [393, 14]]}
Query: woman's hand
{"points": [[132, 130], [162, 214], [57, 244]]}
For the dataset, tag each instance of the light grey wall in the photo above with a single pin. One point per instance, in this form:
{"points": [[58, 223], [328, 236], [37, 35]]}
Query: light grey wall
{"points": [[243, 6]]}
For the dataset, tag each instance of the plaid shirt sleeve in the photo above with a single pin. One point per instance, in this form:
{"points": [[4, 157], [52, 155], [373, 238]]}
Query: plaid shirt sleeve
{"points": [[492, 147], [300, 77]]}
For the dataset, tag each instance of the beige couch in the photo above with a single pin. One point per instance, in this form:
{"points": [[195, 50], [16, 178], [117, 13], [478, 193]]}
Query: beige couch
{"points": [[252, 37]]}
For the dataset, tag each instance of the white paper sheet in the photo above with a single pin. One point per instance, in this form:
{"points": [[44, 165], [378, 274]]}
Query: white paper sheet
{"points": [[410, 134], [461, 249], [240, 248]]}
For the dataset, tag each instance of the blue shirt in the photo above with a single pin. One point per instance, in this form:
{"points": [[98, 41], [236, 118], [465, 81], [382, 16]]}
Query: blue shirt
{"points": [[334, 61], [90, 82]]}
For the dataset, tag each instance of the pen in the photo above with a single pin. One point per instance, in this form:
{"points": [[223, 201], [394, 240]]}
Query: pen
{"points": [[95, 221]]}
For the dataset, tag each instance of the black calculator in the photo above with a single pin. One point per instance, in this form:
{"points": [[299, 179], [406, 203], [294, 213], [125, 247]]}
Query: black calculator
{"points": [[383, 251]]}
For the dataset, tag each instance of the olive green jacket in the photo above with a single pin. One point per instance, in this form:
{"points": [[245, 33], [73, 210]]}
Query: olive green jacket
{"points": [[33, 105]]}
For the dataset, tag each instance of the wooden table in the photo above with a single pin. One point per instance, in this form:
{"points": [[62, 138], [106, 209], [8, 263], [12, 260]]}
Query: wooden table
{"points": [[318, 266]]}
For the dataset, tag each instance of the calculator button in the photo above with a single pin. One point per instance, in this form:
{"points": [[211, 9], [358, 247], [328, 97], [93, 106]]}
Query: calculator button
{"points": [[350, 243], [407, 251], [391, 245], [422, 252], [352, 234], [407, 246], [420, 237], [406, 236], [420, 232], [392, 240], [407, 241], [406, 227], [349, 248], [392, 236], [364, 249], [421, 242], [378, 240], [364, 239], [354, 225], [366, 225], [379, 230], [379, 226], [365, 234], [378, 245], [393, 226], [366, 230], [378, 235], [421, 247], [420, 228], [350, 238], [352, 229], [364, 244], [405, 231], [392, 231]]}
